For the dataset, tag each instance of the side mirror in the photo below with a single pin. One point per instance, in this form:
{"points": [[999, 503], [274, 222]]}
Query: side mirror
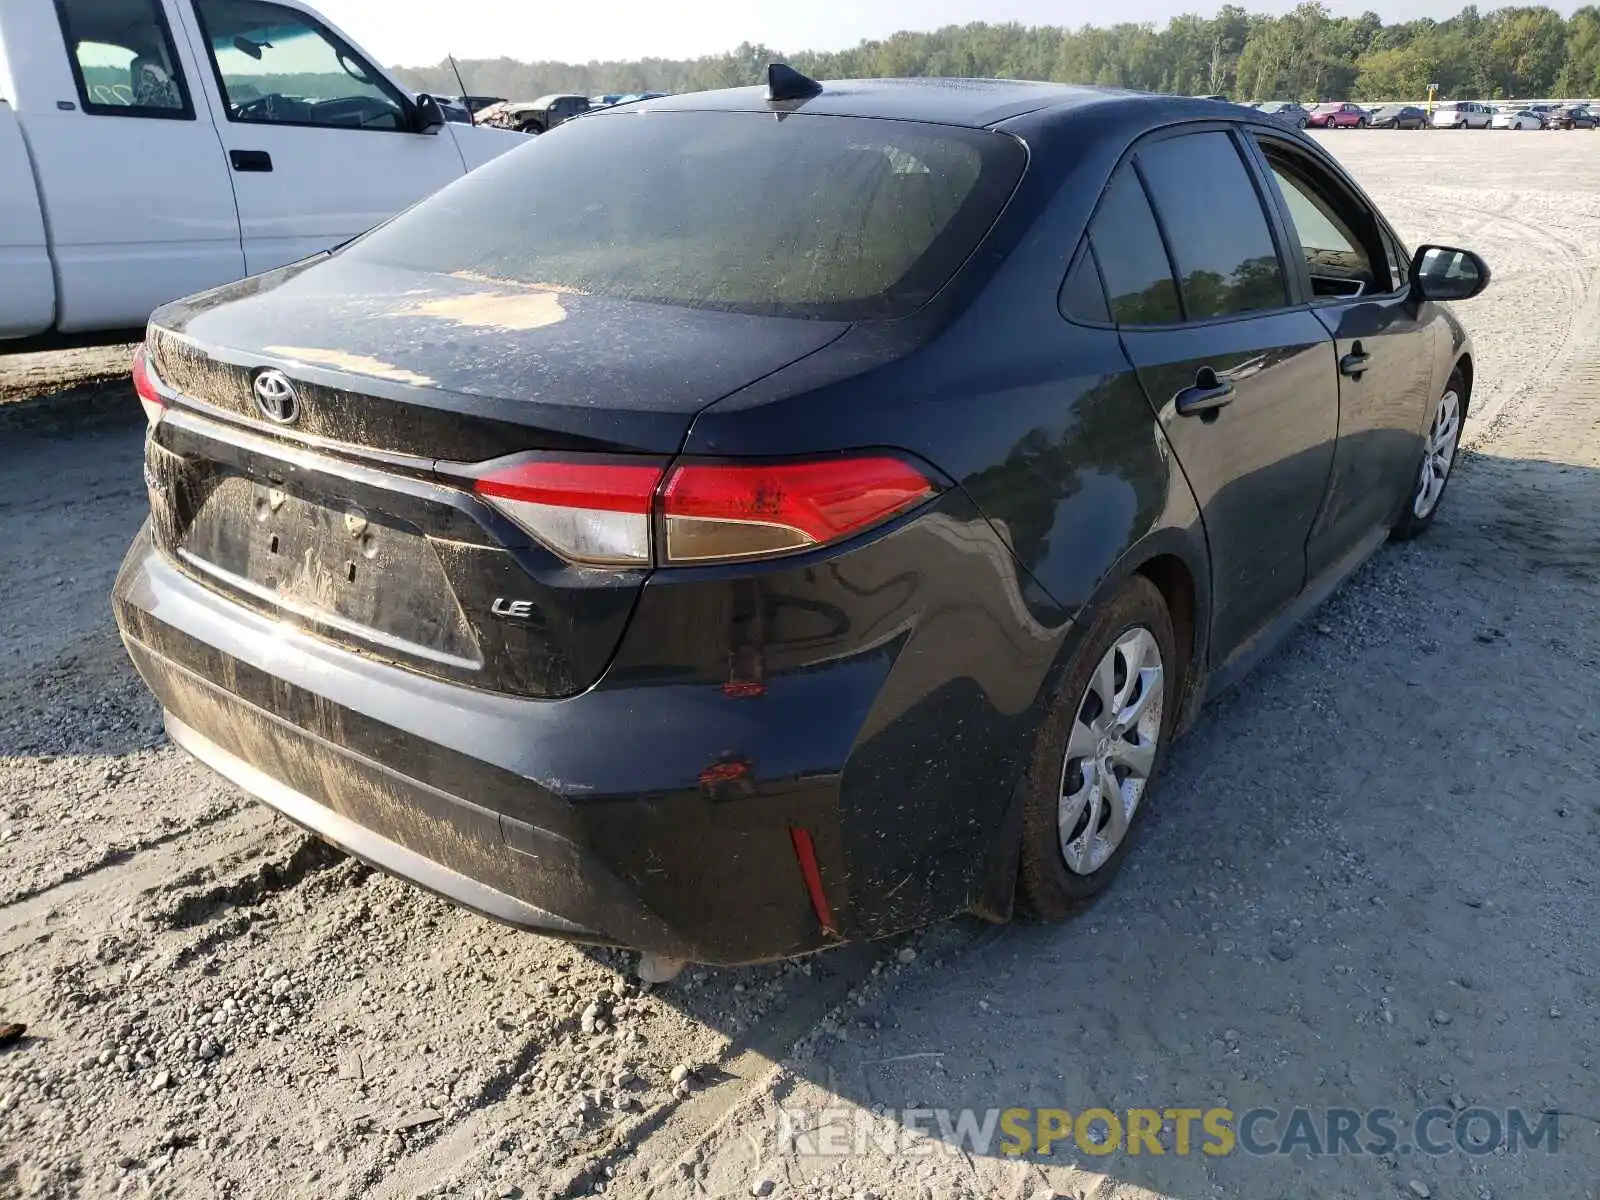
{"points": [[1445, 273], [426, 115]]}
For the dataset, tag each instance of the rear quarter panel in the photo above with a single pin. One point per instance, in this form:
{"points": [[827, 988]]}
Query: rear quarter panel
{"points": [[1046, 433]]}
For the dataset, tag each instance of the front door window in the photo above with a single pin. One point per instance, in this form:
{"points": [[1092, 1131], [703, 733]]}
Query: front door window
{"points": [[278, 66]]}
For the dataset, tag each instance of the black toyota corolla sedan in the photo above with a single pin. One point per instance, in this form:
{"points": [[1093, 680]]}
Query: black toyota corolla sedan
{"points": [[739, 523]]}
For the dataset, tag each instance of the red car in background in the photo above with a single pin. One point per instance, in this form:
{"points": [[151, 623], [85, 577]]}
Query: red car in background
{"points": [[1337, 116]]}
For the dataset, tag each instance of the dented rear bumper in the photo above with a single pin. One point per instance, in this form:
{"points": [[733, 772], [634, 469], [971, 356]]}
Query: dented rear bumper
{"points": [[569, 817]]}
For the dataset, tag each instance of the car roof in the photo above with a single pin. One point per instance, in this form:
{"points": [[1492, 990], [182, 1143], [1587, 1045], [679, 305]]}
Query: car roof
{"points": [[975, 103]]}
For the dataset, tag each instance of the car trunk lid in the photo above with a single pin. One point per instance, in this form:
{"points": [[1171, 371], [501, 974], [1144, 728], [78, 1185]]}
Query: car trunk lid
{"points": [[355, 519]]}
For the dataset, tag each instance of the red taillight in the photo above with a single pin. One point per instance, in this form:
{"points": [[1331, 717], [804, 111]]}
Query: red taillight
{"points": [[603, 513], [720, 511], [597, 513], [144, 383]]}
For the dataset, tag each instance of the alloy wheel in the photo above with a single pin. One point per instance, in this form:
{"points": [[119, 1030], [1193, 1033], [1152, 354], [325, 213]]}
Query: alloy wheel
{"points": [[1111, 750], [1439, 454]]}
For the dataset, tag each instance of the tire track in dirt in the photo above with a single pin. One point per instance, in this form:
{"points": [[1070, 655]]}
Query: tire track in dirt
{"points": [[1571, 268], [120, 856]]}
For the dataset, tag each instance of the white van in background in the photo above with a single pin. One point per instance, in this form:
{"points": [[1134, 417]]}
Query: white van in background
{"points": [[1462, 114], [150, 149]]}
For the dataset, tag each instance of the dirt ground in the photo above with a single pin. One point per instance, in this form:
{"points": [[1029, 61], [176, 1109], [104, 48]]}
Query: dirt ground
{"points": [[1368, 882]]}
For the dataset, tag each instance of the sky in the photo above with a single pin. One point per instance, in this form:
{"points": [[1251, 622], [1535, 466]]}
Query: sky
{"points": [[422, 32]]}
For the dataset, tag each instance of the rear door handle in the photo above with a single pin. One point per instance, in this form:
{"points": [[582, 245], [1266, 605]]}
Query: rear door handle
{"points": [[1206, 396], [250, 160], [1354, 363]]}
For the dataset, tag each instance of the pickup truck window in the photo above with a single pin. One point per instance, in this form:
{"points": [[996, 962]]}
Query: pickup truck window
{"points": [[279, 66], [123, 59]]}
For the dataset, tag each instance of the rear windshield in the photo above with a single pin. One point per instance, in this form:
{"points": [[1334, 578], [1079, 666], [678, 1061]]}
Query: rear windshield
{"points": [[840, 218]]}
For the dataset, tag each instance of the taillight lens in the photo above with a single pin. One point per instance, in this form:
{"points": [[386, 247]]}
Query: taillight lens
{"points": [[719, 511], [597, 513], [144, 383], [604, 513]]}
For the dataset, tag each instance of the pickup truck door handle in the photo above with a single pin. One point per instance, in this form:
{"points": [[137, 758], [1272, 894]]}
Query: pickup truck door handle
{"points": [[250, 160], [1354, 363], [1206, 396]]}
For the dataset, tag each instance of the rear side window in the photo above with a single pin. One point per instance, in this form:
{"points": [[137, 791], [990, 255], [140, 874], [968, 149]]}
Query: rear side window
{"points": [[123, 59], [1221, 244], [1132, 259], [841, 218], [1082, 297]]}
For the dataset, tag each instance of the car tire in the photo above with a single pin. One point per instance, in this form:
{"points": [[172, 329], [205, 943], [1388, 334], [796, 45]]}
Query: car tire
{"points": [[1301, 124], [1135, 623], [1440, 447], [1362, 123]]}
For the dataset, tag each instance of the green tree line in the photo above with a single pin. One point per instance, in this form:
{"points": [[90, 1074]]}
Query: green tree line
{"points": [[1304, 55]]}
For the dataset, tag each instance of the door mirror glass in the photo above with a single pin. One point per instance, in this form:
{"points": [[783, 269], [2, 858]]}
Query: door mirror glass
{"points": [[1445, 273]]}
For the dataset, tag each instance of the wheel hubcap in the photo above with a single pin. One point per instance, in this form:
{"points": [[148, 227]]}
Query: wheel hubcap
{"points": [[1111, 750], [1439, 454]]}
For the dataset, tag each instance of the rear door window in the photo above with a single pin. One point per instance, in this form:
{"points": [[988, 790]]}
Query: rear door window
{"points": [[1221, 244], [1127, 243], [123, 59]]}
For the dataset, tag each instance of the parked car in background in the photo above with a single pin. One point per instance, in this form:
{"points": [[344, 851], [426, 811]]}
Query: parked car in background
{"points": [[1543, 111], [635, 97], [476, 104], [1462, 114], [829, 537], [1336, 115], [150, 149], [1514, 118], [1290, 112], [1574, 116], [1399, 116], [538, 116]]}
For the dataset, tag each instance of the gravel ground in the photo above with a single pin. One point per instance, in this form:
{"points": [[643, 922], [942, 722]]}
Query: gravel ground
{"points": [[1369, 880]]}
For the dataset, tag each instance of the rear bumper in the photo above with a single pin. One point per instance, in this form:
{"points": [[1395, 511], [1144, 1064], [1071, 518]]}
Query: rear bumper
{"points": [[475, 796], [658, 809], [367, 844]]}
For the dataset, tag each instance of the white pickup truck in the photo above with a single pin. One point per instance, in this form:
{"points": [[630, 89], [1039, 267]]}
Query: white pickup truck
{"points": [[150, 149]]}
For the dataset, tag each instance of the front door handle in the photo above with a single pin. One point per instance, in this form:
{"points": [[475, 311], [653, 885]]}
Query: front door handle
{"points": [[250, 160], [1206, 396], [1354, 363]]}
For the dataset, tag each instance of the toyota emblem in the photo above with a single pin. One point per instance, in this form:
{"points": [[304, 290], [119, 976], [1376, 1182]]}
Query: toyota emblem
{"points": [[276, 397]]}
